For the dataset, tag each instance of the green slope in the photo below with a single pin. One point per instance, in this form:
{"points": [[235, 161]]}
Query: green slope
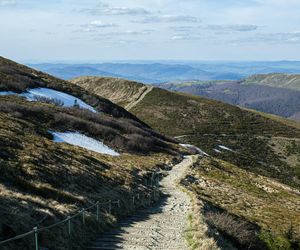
{"points": [[279, 80]]}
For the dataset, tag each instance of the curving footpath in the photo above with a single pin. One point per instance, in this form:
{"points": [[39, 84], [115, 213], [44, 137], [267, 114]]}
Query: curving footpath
{"points": [[141, 97], [161, 227]]}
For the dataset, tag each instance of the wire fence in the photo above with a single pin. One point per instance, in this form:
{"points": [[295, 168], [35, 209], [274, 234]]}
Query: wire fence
{"points": [[153, 195]]}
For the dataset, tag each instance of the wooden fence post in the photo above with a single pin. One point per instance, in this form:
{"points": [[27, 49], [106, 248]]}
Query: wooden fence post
{"points": [[83, 216], [152, 179], [109, 207], [97, 211], [36, 238], [69, 225]]}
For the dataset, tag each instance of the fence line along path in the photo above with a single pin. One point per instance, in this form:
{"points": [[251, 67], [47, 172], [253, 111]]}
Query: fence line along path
{"points": [[160, 227], [67, 223]]}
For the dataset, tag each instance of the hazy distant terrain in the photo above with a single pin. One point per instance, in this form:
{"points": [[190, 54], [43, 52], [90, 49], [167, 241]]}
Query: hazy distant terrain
{"points": [[167, 71]]}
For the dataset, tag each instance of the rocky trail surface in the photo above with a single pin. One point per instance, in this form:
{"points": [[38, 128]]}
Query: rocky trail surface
{"points": [[160, 227]]}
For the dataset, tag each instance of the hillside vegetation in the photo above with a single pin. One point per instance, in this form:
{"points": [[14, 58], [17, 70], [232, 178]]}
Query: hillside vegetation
{"points": [[248, 144], [119, 91], [267, 93], [288, 81], [255, 211], [43, 181]]}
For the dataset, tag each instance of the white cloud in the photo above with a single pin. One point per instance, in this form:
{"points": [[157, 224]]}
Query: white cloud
{"points": [[126, 33], [216, 27], [183, 29], [105, 9], [96, 25], [101, 24], [169, 19], [277, 38], [234, 27]]}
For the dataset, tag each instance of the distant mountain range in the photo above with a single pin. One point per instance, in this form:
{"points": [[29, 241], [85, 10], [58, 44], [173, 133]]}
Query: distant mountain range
{"points": [[146, 73], [168, 71]]}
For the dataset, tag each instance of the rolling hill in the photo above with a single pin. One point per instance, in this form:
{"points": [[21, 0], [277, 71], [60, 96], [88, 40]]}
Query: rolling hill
{"points": [[126, 91], [57, 157], [247, 93], [287, 81], [252, 159]]}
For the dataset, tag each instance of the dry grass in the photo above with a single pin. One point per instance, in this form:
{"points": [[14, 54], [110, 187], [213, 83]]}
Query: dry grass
{"points": [[119, 91], [269, 204], [42, 182]]}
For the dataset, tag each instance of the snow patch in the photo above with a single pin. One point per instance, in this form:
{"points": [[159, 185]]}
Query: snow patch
{"points": [[66, 99], [225, 148], [78, 139], [192, 147], [2, 93], [218, 151]]}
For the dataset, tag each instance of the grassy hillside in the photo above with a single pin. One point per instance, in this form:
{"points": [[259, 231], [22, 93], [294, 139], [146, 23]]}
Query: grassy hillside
{"points": [[43, 181], [250, 144], [288, 81], [119, 91], [17, 77], [208, 124], [256, 211], [270, 99]]}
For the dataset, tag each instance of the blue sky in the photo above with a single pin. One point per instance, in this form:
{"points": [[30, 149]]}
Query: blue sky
{"points": [[53, 30]]}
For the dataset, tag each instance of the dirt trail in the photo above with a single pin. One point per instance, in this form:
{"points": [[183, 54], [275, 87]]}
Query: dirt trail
{"points": [[142, 96], [161, 227]]}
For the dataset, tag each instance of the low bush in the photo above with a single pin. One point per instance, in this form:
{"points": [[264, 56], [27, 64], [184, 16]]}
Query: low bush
{"points": [[239, 231], [48, 100], [274, 242], [120, 133]]}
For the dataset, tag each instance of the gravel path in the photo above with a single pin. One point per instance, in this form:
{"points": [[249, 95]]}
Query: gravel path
{"points": [[161, 227]]}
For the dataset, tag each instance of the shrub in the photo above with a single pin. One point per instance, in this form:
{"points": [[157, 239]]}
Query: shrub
{"points": [[274, 242], [121, 133], [49, 100], [242, 232]]}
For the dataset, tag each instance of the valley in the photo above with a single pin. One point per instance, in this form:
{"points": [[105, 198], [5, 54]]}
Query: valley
{"points": [[277, 94], [245, 141]]}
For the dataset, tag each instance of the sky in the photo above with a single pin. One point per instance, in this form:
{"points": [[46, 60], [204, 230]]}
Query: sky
{"points": [[90, 31]]}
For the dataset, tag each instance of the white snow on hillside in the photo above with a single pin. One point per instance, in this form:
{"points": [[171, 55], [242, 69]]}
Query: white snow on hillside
{"points": [[7, 93], [66, 99], [218, 151], [78, 139], [192, 147], [225, 148]]}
